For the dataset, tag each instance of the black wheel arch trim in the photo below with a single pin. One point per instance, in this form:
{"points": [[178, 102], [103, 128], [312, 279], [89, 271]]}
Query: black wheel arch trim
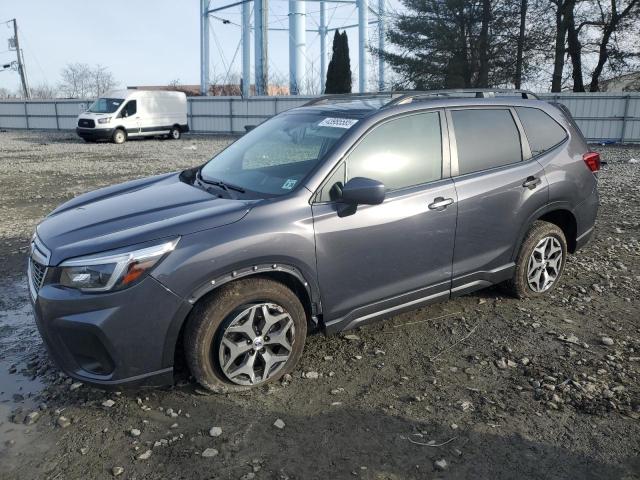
{"points": [[550, 207], [310, 286]]}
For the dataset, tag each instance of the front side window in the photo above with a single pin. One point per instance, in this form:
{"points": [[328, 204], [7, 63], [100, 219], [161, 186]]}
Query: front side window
{"points": [[542, 131], [400, 153], [275, 157], [130, 108], [106, 105], [485, 139]]}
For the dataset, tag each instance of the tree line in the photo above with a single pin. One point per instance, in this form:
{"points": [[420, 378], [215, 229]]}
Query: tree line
{"points": [[556, 44], [77, 80]]}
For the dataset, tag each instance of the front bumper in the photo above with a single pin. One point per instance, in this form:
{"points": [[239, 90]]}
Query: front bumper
{"points": [[124, 338], [95, 133]]}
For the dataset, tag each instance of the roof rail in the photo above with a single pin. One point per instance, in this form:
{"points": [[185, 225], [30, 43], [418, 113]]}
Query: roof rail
{"points": [[404, 97], [346, 97], [408, 97]]}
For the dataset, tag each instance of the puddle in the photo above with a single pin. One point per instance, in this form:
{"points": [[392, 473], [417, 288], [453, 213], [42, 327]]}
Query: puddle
{"points": [[19, 341]]}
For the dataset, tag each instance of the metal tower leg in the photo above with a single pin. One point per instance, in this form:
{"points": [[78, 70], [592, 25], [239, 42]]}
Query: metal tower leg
{"points": [[363, 26], [297, 45], [246, 49], [204, 47]]}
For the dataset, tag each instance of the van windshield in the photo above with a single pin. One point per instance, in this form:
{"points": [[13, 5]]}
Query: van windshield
{"points": [[106, 105], [276, 156]]}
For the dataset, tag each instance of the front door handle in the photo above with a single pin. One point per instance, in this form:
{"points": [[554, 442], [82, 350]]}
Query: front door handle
{"points": [[532, 182], [440, 203]]}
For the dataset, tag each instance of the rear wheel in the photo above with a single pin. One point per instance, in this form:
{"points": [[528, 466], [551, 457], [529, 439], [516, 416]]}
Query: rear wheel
{"points": [[248, 333], [175, 133], [540, 262], [119, 136]]}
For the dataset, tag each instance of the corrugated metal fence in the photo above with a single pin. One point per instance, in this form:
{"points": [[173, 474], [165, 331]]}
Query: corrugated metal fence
{"points": [[612, 117]]}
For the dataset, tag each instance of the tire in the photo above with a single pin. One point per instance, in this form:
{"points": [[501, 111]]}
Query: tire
{"points": [[175, 133], [221, 322], [119, 136], [539, 273]]}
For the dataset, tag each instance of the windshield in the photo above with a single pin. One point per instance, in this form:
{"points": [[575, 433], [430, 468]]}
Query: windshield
{"points": [[276, 156], [106, 105]]}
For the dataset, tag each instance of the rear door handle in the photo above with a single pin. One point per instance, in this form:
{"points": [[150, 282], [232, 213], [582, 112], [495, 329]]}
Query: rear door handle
{"points": [[440, 203], [532, 182]]}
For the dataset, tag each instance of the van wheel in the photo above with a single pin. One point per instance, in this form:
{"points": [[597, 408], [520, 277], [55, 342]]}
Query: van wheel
{"points": [[175, 133], [540, 262], [248, 333], [119, 136]]}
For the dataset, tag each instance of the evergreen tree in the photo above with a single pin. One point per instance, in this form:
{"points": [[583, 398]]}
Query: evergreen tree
{"points": [[339, 70], [457, 43]]}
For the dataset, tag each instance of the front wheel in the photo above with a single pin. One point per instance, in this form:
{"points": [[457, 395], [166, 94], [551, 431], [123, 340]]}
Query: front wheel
{"points": [[248, 333], [540, 262], [119, 136]]}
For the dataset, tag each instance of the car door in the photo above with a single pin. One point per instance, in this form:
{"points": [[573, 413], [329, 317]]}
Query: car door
{"points": [[381, 258], [129, 118], [499, 187]]}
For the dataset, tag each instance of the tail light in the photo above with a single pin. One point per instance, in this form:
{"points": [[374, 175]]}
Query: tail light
{"points": [[592, 159]]}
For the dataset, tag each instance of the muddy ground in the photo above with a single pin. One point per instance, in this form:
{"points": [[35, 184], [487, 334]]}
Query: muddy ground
{"points": [[484, 386]]}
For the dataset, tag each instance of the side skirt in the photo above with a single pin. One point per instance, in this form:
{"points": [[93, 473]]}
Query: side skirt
{"points": [[478, 280]]}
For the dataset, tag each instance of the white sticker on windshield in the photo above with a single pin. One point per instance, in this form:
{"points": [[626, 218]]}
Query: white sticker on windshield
{"points": [[289, 184], [338, 122]]}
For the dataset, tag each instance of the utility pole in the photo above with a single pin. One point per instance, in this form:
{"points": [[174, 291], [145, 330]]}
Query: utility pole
{"points": [[21, 69]]}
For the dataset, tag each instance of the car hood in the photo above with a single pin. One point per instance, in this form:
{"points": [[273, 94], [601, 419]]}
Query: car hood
{"points": [[134, 212]]}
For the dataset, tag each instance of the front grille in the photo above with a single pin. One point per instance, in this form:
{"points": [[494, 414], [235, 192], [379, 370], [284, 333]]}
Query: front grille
{"points": [[86, 123], [38, 272], [37, 268]]}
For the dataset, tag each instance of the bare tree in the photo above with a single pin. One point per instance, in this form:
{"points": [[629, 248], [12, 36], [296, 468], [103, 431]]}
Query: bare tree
{"points": [[615, 16], [101, 81], [6, 93], [76, 80], [79, 80], [44, 90], [517, 81]]}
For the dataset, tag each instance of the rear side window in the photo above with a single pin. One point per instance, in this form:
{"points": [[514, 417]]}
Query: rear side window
{"points": [[485, 139], [400, 153], [542, 131]]}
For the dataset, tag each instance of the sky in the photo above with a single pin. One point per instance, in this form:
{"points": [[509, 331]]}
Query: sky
{"points": [[149, 42]]}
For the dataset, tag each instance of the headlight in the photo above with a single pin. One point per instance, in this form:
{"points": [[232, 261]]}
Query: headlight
{"points": [[104, 120], [103, 272]]}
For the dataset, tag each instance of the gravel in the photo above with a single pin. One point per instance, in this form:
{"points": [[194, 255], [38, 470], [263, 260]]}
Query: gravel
{"points": [[494, 385]]}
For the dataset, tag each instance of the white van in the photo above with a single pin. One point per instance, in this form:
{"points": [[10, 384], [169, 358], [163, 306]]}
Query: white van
{"points": [[134, 113]]}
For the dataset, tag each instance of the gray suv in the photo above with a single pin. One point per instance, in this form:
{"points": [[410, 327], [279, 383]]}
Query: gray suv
{"points": [[324, 218]]}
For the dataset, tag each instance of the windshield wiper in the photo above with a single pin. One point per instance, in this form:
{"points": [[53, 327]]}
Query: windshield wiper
{"points": [[227, 187]]}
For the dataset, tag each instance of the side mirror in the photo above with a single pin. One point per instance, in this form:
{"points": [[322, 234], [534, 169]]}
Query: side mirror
{"points": [[363, 191]]}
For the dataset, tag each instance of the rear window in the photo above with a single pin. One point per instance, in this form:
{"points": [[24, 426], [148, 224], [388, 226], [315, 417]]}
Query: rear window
{"points": [[542, 131], [485, 139]]}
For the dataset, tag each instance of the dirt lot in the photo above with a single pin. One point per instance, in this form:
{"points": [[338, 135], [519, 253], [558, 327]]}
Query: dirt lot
{"points": [[484, 386]]}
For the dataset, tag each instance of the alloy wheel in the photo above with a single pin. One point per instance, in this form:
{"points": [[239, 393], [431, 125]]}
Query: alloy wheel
{"points": [[545, 264], [256, 344]]}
